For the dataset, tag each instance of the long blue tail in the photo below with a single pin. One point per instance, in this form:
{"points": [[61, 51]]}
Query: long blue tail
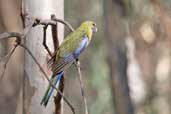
{"points": [[50, 89]]}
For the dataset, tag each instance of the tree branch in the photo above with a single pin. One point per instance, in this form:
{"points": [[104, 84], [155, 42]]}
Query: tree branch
{"points": [[7, 58], [6, 35], [55, 34], [63, 22], [58, 97], [44, 41], [41, 69], [19, 36], [52, 21], [82, 86]]}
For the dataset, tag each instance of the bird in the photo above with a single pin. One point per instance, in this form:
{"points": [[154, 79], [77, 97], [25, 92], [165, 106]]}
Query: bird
{"points": [[68, 53]]}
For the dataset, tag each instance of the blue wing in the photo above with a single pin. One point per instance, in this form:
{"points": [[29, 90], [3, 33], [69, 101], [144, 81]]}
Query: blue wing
{"points": [[81, 48], [70, 58]]}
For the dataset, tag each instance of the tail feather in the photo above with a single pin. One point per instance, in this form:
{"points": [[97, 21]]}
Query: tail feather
{"points": [[50, 89], [51, 61]]}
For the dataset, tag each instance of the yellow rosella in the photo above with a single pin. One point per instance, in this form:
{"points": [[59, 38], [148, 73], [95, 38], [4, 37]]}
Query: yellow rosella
{"points": [[68, 52]]}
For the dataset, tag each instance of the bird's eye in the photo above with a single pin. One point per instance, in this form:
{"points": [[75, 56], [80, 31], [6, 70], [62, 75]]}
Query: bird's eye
{"points": [[94, 24]]}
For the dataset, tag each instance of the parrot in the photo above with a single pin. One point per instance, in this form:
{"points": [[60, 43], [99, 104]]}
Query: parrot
{"points": [[68, 53]]}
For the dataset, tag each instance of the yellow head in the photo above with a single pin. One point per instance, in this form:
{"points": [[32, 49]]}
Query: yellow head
{"points": [[89, 27]]}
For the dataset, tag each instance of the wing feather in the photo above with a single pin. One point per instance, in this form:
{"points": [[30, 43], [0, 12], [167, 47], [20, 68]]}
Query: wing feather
{"points": [[62, 63], [71, 43], [64, 57]]}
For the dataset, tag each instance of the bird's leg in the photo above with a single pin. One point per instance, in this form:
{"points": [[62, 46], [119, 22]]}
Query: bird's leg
{"points": [[76, 59], [75, 62]]}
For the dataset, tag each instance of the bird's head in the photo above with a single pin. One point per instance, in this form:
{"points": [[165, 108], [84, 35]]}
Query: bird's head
{"points": [[89, 27]]}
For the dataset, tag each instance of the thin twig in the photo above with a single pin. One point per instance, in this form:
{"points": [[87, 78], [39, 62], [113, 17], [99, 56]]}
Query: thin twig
{"points": [[6, 35], [82, 86], [44, 41], [58, 97], [55, 37], [7, 58], [20, 36], [63, 22], [41, 69], [52, 21]]}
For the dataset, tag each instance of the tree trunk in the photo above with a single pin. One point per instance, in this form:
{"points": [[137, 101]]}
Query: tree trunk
{"points": [[10, 22], [35, 84], [117, 59]]}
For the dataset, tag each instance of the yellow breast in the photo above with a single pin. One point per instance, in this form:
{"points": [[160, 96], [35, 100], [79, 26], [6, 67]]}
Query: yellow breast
{"points": [[89, 34]]}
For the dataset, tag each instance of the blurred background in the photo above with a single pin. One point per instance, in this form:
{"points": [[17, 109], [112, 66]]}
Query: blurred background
{"points": [[126, 68]]}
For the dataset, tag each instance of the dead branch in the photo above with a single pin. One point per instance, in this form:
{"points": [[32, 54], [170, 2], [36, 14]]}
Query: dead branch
{"points": [[55, 35], [63, 22], [20, 36], [82, 85], [52, 21], [58, 97], [6, 35], [7, 58], [42, 70], [44, 41]]}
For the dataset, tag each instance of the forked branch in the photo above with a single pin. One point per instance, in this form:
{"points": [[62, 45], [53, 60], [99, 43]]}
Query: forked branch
{"points": [[19, 39]]}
